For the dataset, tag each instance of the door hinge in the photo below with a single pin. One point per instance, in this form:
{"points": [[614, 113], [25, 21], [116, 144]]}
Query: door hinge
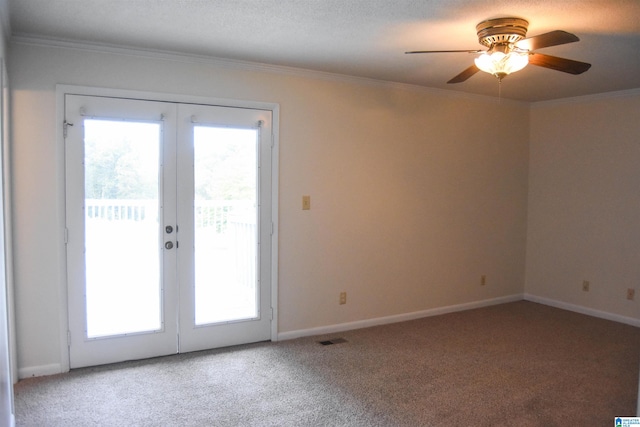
{"points": [[65, 126], [271, 313], [68, 338], [272, 228], [66, 235]]}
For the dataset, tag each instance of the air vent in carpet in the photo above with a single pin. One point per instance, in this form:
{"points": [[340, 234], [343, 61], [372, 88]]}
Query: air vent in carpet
{"points": [[333, 341]]}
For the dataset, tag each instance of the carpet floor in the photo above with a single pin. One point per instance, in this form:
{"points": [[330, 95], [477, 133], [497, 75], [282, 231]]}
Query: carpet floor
{"points": [[516, 364]]}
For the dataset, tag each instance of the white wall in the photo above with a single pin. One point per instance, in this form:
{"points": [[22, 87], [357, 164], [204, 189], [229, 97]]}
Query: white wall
{"points": [[584, 177], [415, 194]]}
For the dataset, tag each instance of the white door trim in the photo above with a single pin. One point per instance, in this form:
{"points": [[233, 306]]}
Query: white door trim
{"points": [[61, 91]]}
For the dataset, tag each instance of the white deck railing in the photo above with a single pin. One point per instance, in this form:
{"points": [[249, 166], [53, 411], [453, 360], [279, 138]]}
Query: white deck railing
{"points": [[121, 210], [210, 213]]}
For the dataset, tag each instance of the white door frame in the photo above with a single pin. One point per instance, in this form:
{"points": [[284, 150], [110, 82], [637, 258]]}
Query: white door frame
{"points": [[61, 91]]}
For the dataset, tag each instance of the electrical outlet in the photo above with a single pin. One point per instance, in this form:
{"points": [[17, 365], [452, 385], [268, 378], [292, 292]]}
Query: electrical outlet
{"points": [[343, 298], [483, 280], [585, 285], [631, 294]]}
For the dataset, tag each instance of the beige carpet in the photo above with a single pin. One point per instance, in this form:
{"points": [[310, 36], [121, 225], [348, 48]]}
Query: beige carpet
{"points": [[517, 364]]}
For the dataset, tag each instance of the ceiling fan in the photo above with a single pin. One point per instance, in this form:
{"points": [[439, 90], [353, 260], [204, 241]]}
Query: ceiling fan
{"points": [[509, 50]]}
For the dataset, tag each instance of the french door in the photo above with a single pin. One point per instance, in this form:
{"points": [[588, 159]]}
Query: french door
{"points": [[168, 212]]}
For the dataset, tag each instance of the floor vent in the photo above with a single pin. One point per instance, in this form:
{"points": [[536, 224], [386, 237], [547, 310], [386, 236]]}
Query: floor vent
{"points": [[333, 341]]}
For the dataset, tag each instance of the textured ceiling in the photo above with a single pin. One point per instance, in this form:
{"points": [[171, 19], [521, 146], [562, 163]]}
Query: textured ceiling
{"points": [[364, 38]]}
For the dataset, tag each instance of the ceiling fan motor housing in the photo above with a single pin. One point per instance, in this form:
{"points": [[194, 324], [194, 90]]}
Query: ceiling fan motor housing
{"points": [[501, 31]]}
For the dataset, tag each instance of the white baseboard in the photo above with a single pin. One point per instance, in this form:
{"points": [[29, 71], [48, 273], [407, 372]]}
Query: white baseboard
{"points": [[583, 310], [56, 368], [330, 329], [38, 371]]}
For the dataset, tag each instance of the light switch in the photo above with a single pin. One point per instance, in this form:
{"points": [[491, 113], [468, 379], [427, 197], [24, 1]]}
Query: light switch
{"points": [[306, 203]]}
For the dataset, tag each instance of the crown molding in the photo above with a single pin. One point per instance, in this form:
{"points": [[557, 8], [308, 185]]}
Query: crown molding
{"points": [[587, 98], [33, 40]]}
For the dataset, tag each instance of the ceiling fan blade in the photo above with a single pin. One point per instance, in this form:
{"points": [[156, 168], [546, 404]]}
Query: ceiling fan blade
{"points": [[559, 64], [443, 51], [553, 38], [465, 74]]}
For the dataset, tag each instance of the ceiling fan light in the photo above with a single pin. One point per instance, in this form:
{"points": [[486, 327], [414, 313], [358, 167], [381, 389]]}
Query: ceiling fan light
{"points": [[500, 64]]}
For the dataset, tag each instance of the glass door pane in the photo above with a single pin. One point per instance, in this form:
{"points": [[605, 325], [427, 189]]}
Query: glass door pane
{"points": [[225, 213], [122, 240]]}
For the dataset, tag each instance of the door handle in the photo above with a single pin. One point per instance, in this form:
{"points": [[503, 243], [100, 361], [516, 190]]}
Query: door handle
{"points": [[168, 245]]}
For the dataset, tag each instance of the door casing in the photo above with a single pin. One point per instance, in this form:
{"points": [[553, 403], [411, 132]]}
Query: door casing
{"points": [[62, 90]]}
